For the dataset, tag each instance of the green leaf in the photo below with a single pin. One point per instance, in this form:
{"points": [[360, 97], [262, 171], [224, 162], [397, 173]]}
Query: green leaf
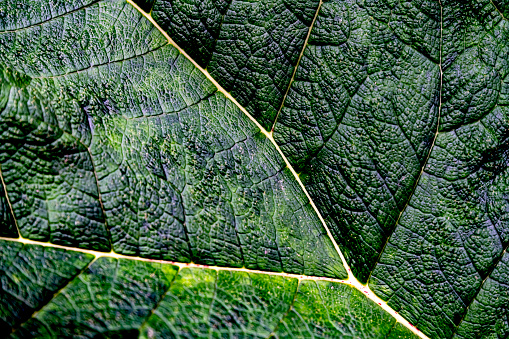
{"points": [[7, 226], [123, 144], [359, 120], [397, 123], [250, 47], [30, 276], [114, 143], [387, 164]]}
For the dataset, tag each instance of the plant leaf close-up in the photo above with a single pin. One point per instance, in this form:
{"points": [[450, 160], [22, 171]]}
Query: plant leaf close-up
{"points": [[254, 169]]}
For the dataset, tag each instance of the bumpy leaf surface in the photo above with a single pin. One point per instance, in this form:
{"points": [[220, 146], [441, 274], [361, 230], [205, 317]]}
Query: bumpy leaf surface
{"points": [[398, 124], [112, 140], [124, 298], [30, 275], [114, 143], [7, 226], [250, 47]]}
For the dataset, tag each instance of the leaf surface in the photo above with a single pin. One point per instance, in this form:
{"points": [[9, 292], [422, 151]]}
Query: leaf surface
{"points": [[250, 47], [123, 144], [111, 139], [112, 142], [397, 122]]}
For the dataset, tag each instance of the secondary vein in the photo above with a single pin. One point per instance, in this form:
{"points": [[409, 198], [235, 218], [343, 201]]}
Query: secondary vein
{"points": [[297, 65], [112, 254]]}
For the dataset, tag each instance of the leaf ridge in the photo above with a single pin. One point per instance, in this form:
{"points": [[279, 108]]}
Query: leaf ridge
{"points": [[99, 197], [498, 10], [351, 281]]}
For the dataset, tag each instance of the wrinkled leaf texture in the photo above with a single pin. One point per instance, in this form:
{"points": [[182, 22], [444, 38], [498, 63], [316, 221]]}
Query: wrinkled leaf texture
{"points": [[394, 114]]}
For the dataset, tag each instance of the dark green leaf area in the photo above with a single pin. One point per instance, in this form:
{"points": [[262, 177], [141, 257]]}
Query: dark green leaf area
{"points": [[368, 103], [475, 62], [111, 299], [466, 24], [29, 277], [486, 316], [145, 5], [360, 117], [250, 48], [455, 228], [7, 225], [144, 156], [193, 24]]}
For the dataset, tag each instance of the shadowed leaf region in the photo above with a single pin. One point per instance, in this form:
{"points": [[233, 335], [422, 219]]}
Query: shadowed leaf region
{"points": [[398, 124]]}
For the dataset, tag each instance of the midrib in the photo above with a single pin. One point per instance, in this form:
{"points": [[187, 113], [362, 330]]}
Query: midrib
{"points": [[112, 254]]}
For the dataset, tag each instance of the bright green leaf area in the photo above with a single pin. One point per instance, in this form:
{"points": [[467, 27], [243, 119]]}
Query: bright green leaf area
{"points": [[122, 298]]}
